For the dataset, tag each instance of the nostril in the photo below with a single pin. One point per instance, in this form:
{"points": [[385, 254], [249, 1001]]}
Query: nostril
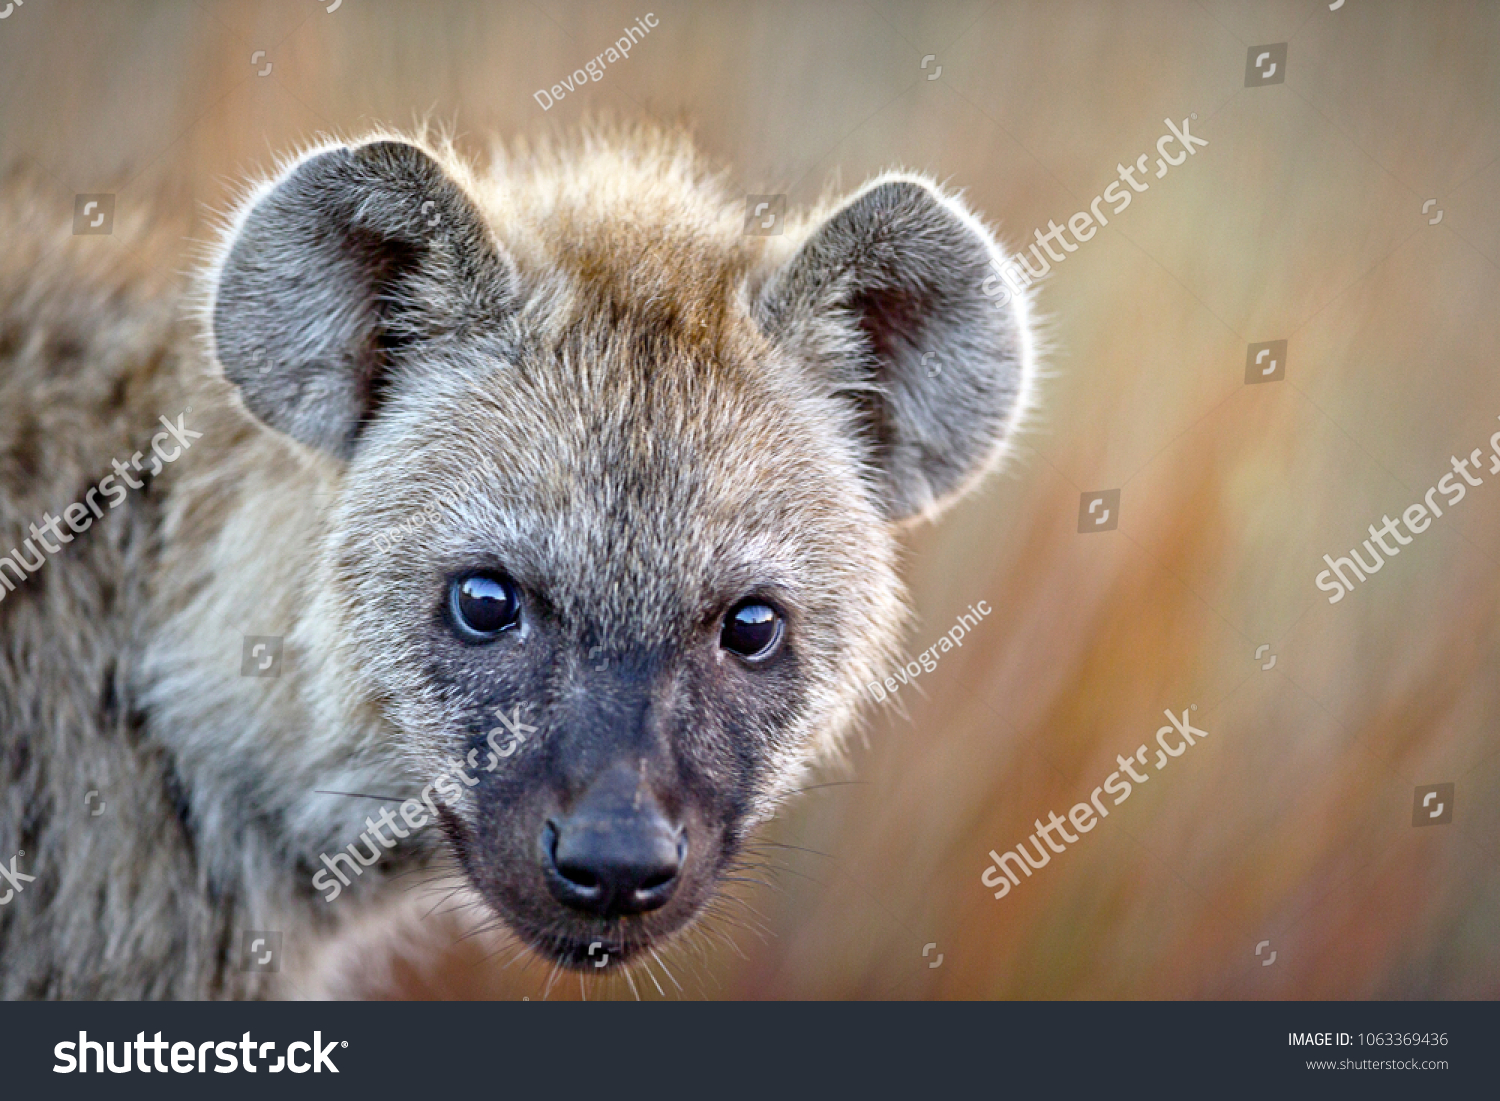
{"points": [[611, 863], [655, 885], [667, 870], [580, 886], [580, 876], [660, 879]]}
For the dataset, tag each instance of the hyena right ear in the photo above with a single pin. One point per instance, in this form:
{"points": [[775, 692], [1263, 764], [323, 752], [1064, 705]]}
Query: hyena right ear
{"points": [[353, 254]]}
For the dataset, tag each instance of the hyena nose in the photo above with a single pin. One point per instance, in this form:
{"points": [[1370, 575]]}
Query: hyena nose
{"points": [[614, 853]]}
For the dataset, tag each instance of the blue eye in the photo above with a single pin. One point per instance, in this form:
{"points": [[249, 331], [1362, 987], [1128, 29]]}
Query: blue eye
{"points": [[752, 629], [483, 605]]}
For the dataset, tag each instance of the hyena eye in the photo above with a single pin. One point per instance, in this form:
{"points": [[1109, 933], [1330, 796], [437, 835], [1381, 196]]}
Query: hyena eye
{"points": [[483, 605], [752, 629]]}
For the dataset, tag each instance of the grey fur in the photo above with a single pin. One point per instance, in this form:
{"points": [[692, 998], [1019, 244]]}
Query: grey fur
{"points": [[354, 249]]}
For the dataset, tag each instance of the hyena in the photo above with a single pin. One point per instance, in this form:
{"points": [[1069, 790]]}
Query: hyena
{"points": [[699, 444]]}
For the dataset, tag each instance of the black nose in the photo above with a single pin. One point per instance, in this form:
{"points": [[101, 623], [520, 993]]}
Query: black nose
{"points": [[614, 852]]}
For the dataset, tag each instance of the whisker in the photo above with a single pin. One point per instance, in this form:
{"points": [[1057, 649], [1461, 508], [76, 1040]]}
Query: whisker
{"points": [[556, 966], [798, 848], [491, 955], [659, 960], [744, 879], [709, 928], [481, 929], [652, 975], [522, 949], [831, 784], [738, 923], [442, 900], [726, 896], [360, 795]]}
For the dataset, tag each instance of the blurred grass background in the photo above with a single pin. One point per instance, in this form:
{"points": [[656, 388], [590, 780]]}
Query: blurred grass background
{"points": [[1301, 220]]}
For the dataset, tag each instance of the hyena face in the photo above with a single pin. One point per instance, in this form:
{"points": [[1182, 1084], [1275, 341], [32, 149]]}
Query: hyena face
{"points": [[616, 470]]}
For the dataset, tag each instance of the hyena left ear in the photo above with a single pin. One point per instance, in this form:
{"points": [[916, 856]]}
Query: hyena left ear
{"points": [[352, 255], [886, 298]]}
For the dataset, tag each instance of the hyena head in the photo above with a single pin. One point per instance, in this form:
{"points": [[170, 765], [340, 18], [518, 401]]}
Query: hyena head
{"points": [[619, 471]]}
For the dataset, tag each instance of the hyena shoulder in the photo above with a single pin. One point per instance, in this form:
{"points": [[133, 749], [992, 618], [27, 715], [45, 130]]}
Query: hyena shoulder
{"points": [[91, 348]]}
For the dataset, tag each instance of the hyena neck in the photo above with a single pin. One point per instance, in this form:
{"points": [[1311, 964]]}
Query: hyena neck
{"points": [[236, 665]]}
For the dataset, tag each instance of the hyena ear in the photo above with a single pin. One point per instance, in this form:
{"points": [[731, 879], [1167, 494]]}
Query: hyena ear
{"points": [[894, 299], [351, 256]]}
